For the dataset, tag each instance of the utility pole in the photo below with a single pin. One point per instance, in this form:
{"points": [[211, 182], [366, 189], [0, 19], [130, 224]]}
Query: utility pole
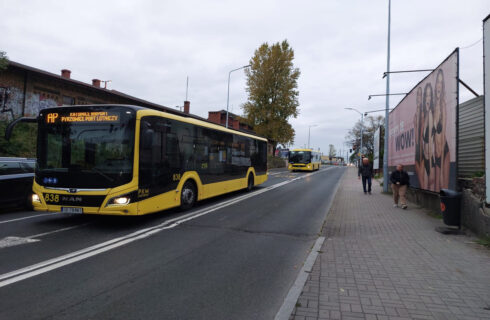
{"points": [[387, 111]]}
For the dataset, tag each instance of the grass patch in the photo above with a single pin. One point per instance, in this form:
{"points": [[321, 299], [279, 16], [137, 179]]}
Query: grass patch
{"points": [[434, 214], [484, 241]]}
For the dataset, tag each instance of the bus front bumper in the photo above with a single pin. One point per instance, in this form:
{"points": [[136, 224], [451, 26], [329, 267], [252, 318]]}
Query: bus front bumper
{"points": [[126, 210], [307, 167], [59, 201]]}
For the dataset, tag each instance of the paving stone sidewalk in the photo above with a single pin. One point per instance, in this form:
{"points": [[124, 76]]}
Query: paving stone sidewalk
{"points": [[380, 262]]}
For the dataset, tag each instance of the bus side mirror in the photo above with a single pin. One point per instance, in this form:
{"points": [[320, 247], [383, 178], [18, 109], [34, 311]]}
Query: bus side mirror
{"points": [[147, 139], [11, 125]]}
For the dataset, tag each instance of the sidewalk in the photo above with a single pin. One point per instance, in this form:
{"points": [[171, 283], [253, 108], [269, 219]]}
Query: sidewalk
{"points": [[380, 262]]}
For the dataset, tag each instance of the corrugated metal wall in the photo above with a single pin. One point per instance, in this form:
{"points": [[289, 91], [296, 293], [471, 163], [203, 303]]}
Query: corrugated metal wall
{"points": [[471, 153]]}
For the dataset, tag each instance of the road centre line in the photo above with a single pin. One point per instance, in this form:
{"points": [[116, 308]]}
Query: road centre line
{"points": [[58, 230], [58, 262], [28, 217]]}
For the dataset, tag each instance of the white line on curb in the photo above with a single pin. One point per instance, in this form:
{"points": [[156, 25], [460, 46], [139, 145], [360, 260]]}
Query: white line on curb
{"points": [[293, 294], [55, 263]]}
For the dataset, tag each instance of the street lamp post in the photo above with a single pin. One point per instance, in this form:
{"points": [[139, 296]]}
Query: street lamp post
{"points": [[309, 129], [228, 94], [362, 124], [366, 113], [387, 111]]}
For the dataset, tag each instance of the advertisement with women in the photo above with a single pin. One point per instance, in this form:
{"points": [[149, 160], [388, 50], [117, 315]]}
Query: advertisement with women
{"points": [[423, 126]]}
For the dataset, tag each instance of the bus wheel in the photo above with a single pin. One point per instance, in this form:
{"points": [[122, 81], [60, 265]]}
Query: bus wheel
{"points": [[188, 195], [250, 183]]}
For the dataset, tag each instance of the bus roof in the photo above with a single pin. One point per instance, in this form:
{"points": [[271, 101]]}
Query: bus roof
{"points": [[181, 116]]}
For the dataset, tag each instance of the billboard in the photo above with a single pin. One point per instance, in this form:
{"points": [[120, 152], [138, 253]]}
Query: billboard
{"points": [[486, 88], [376, 149], [423, 129]]}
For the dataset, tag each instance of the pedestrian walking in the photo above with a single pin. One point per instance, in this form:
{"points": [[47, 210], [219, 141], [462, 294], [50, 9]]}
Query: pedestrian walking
{"points": [[400, 181], [366, 173]]}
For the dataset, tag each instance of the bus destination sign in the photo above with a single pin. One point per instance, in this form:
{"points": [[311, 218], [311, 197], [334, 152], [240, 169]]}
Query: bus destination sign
{"points": [[83, 117]]}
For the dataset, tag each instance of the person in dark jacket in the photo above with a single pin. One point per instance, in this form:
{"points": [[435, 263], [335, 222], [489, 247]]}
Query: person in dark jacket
{"points": [[400, 181], [366, 172]]}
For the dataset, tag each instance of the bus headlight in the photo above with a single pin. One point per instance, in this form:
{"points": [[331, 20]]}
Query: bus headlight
{"points": [[35, 198], [120, 200]]}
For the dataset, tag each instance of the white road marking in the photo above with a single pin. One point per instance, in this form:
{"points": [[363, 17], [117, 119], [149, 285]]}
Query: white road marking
{"points": [[58, 262], [58, 230], [290, 301], [29, 217], [276, 173], [14, 241]]}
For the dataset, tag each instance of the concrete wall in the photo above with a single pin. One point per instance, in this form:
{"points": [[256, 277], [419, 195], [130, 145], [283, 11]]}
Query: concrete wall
{"points": [[474, 215], [424, 199]]}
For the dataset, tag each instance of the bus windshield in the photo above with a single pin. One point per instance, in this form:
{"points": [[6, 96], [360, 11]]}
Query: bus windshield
{"points": [[299, 157], [85, 147]]}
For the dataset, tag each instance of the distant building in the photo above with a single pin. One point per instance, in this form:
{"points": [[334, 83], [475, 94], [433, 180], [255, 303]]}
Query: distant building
{"points": [[25, 90], [234, 121]]}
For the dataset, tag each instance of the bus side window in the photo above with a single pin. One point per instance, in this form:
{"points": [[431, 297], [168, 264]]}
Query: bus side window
{"points": [[172, 151], [159, 155]]}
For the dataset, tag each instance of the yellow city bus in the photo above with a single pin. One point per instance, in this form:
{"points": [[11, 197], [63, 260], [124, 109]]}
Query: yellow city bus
{"points": [[304, 160], [130, 160]]}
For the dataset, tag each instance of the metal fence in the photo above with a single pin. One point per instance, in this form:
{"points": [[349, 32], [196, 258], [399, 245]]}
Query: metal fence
{"points": [[471, 138]]}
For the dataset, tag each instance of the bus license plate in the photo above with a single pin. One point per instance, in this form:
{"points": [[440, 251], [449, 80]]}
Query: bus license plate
{"points": [[72, 210]]}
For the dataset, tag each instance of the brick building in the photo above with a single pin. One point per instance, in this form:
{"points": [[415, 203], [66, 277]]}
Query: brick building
{"points": [[234, 121], [25, 90]]}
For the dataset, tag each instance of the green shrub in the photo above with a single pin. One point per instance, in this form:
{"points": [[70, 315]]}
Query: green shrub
{"points": [[484, 241], [275, 162], [478, 174], [22, 142]]}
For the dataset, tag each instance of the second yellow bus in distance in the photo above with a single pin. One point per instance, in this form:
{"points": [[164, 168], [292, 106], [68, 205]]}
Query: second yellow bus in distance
{"points": [[130, 160], [304, 160]]}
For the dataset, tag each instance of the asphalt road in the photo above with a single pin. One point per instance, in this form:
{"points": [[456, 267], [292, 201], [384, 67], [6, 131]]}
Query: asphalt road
{"points": [[232, 257]]}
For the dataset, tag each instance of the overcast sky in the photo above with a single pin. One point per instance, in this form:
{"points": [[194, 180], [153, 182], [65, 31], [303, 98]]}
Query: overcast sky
{"points": [[148, 48]]}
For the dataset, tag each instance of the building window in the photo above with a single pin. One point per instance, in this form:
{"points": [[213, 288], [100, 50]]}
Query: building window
{"points": [[68, 100]]}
